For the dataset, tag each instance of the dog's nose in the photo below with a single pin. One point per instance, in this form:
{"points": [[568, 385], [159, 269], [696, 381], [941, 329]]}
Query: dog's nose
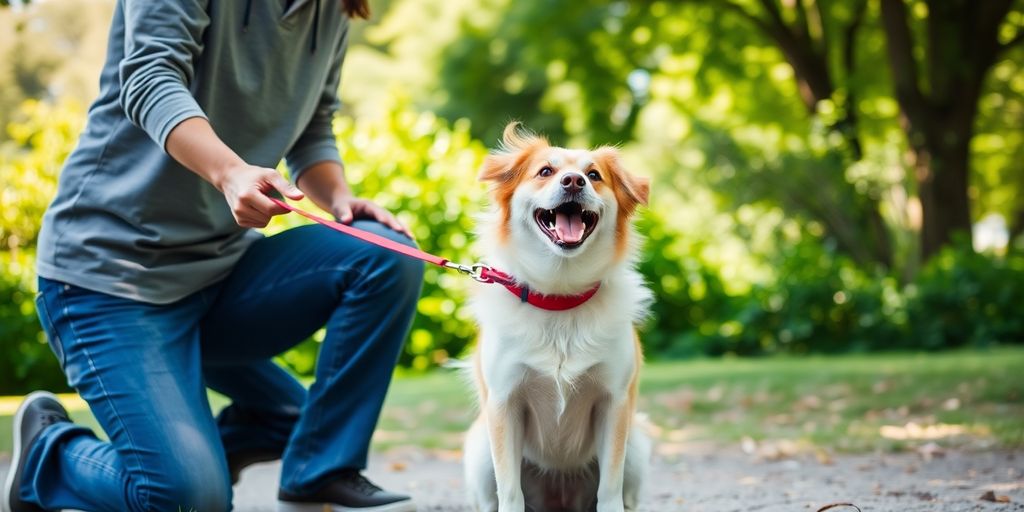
{"points": [[573, 182]]}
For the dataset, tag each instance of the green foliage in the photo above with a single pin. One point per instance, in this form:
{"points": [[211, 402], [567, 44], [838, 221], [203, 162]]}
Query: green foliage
{"points": [[39, 141], [823, 303], [964, 298], [27, 363]]}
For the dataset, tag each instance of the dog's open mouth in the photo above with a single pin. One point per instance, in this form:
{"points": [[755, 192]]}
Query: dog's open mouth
{"points": [[568, 225]]}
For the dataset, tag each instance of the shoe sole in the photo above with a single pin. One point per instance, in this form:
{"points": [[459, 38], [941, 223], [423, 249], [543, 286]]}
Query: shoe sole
{"points": [[399, 506], [19, 416]]}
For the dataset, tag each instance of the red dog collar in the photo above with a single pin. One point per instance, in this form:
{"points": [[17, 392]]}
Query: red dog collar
{"points": [[537, 300]]}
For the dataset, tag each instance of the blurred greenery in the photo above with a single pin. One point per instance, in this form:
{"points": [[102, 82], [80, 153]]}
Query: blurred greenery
{"points": [[787, 213]]}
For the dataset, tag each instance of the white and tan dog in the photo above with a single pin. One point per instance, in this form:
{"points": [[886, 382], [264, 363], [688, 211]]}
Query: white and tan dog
{"points": [[558, 389]]}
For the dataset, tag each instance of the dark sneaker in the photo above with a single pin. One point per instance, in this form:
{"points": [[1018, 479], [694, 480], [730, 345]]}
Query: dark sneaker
{"points": [[349, 492], [38, 411], [240, 460]]}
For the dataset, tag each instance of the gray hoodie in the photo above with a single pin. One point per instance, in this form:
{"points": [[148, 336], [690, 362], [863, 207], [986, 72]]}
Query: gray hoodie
{"points": [[128, 220]]}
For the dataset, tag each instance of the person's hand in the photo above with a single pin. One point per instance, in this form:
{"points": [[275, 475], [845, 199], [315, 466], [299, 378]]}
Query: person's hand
{"points": [[348, 208], [245, 187]]}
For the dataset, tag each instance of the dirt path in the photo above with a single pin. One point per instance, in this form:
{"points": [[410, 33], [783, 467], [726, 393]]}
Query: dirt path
{"points": [[730, 480]]}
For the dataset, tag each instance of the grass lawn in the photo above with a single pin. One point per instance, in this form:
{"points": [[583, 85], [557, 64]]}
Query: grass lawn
{"points": [[972, 399]]}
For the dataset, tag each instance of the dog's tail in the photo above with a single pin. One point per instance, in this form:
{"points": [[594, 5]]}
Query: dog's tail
{"points": [[464, 369], [453, 363]]}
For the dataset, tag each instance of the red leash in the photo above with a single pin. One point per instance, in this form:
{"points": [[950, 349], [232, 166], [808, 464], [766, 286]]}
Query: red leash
{"points": [[478, 271]]}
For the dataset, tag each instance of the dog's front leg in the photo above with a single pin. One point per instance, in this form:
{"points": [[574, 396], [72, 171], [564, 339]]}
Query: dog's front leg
{"points": [[611, 455], [506, 435]]}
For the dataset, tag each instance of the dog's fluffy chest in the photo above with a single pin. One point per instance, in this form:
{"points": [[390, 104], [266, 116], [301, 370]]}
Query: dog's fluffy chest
{"points": [[558, 417]]}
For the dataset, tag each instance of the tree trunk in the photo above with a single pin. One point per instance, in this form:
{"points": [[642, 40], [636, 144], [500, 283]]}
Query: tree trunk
{"points": [[941, 174], [961, 46]]}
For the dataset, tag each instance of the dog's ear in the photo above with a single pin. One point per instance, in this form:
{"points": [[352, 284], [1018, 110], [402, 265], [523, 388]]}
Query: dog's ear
{"points": [[517, 143], [640, 188], [497, 167], [630, 190]]}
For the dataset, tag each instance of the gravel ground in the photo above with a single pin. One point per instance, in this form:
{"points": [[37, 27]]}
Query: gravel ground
{"points": [[723, 480]]}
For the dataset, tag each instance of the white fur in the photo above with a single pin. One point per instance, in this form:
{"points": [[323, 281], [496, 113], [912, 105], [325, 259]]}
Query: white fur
{"points": [[554, 376]]}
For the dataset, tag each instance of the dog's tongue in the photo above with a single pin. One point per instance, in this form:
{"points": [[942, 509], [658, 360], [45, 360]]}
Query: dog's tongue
{"points": [[569, 227]]}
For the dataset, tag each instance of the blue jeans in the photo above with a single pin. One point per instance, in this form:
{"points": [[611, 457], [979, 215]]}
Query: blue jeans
{"points": [[144, 370]]}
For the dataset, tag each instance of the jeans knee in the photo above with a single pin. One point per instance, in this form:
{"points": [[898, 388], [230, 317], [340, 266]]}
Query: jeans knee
{"points": [[192, 488], [406, 274], [399, 273]]}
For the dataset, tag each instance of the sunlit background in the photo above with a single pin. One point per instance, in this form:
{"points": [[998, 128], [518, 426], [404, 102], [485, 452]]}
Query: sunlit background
{"points": [[800, 205]]}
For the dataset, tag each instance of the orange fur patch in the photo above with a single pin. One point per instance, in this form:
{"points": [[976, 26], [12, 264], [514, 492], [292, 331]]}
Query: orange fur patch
{"points": [[506, 169], [630, 192]]}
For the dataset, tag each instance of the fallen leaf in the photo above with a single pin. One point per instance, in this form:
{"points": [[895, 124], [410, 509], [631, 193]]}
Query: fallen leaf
{"points": [[952, 404], [748, 445], [991, 496], [823, 457], [837, 505], [930, 451]]}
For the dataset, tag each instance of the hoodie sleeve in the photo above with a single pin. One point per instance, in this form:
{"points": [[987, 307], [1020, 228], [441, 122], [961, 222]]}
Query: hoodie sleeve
{"points": [[317, 142], [163, 40]]}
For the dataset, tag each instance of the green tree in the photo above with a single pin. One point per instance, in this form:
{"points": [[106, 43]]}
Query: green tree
{"points": [[589, 81], [939, 96]]}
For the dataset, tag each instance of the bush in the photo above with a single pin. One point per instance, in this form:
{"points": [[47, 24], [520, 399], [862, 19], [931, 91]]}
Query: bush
{"points": [[965, 298], [27, 363], [820, 302], [40, 139]]}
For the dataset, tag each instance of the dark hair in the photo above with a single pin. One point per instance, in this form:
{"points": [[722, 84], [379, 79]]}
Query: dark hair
{"points": [[356, 8]]}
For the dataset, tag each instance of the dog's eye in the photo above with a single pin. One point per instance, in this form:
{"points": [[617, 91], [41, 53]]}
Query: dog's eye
{"points": [[545, 172], [594, 175]]}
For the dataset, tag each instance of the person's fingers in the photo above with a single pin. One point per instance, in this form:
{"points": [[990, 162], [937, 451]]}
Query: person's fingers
{"points": [[382, 215], [392, 222], [403, 229], [375, 212], [256, 200], [283, 186], [255, 221], [343, 213], [252, 205]]}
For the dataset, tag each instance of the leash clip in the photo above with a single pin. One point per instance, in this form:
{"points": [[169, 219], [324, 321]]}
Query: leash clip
{"points": [[476, 270]]}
